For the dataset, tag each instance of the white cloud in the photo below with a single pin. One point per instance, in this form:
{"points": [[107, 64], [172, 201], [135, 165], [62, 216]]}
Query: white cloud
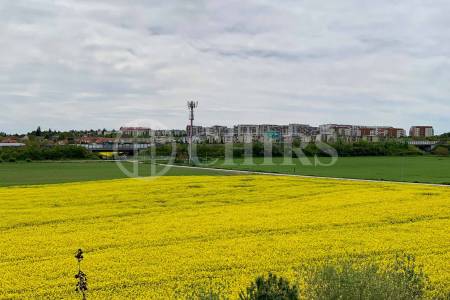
{"points": [[81, 64]]}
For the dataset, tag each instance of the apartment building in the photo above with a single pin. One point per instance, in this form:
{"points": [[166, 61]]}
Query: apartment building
{"points": [[245, 133], [248, 133], [213, 134], [395, 133], [301, 130], [216, 133], [196, 130], [354, 133], [135, 131], [169, 133], [333, 132], [421, 131]]}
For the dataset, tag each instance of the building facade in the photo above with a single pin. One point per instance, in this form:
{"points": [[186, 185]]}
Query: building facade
{"points": [[355, 133], [421, 131], [135, 131], [250, 133]]}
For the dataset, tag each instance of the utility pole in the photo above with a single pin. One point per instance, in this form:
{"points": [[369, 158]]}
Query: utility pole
{"points": [[191, 106]]}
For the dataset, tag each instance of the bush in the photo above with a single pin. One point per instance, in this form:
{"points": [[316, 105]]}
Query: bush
{"points": [[34, 152], [270, 288], [384, 148], [28, 160], [401, 279], [441, 151], [12, 159]]}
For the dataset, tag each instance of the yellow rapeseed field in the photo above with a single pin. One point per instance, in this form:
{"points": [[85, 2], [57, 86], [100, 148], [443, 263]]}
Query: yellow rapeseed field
{"points": [[157, 239]]}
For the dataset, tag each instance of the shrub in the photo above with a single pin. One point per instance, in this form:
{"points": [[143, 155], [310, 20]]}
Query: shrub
{"points": [[12, 159], [383, 148], [441, 151], [34, 152], [401, 279], [271, 288]]}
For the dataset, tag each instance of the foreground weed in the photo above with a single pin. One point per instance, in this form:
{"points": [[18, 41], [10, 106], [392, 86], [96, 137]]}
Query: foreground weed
{"points": [[81, 277]]}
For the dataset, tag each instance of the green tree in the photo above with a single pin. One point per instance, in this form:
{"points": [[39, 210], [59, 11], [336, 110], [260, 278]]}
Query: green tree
{"points": [[38, 131]]}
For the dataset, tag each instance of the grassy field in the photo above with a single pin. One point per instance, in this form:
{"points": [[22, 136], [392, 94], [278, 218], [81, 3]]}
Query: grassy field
{"points": [[24, 173], [427, 169], [163, 238]]}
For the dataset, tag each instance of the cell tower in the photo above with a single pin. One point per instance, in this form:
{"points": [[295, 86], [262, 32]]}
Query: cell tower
{"points": [[191, 106]]}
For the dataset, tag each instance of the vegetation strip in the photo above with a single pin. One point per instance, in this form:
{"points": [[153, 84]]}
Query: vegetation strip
{"points": [[302, 176]]}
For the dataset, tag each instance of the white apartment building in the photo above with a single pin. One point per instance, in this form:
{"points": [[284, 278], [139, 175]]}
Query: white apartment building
{"points": [[246, 133], [249, 133], [216, 133]]}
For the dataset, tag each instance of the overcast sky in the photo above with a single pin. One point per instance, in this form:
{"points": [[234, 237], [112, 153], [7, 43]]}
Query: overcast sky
{"points": [[93, 64]]}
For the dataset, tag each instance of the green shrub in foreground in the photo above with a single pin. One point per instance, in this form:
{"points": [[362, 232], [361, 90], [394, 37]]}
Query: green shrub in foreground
{"points": [[441, 151], [401, 279], [272, 287], [215, 289]]}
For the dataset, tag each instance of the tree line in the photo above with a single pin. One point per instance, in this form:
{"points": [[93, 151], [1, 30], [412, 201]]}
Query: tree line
{"points": [[37, 152], [205, 151]]}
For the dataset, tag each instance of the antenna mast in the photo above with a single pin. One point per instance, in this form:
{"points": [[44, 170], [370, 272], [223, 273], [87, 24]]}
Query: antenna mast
{"points": [[191, 106]]}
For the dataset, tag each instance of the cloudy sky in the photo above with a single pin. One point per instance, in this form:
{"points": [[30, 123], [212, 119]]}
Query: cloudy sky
{"points": [[92, 64]]}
